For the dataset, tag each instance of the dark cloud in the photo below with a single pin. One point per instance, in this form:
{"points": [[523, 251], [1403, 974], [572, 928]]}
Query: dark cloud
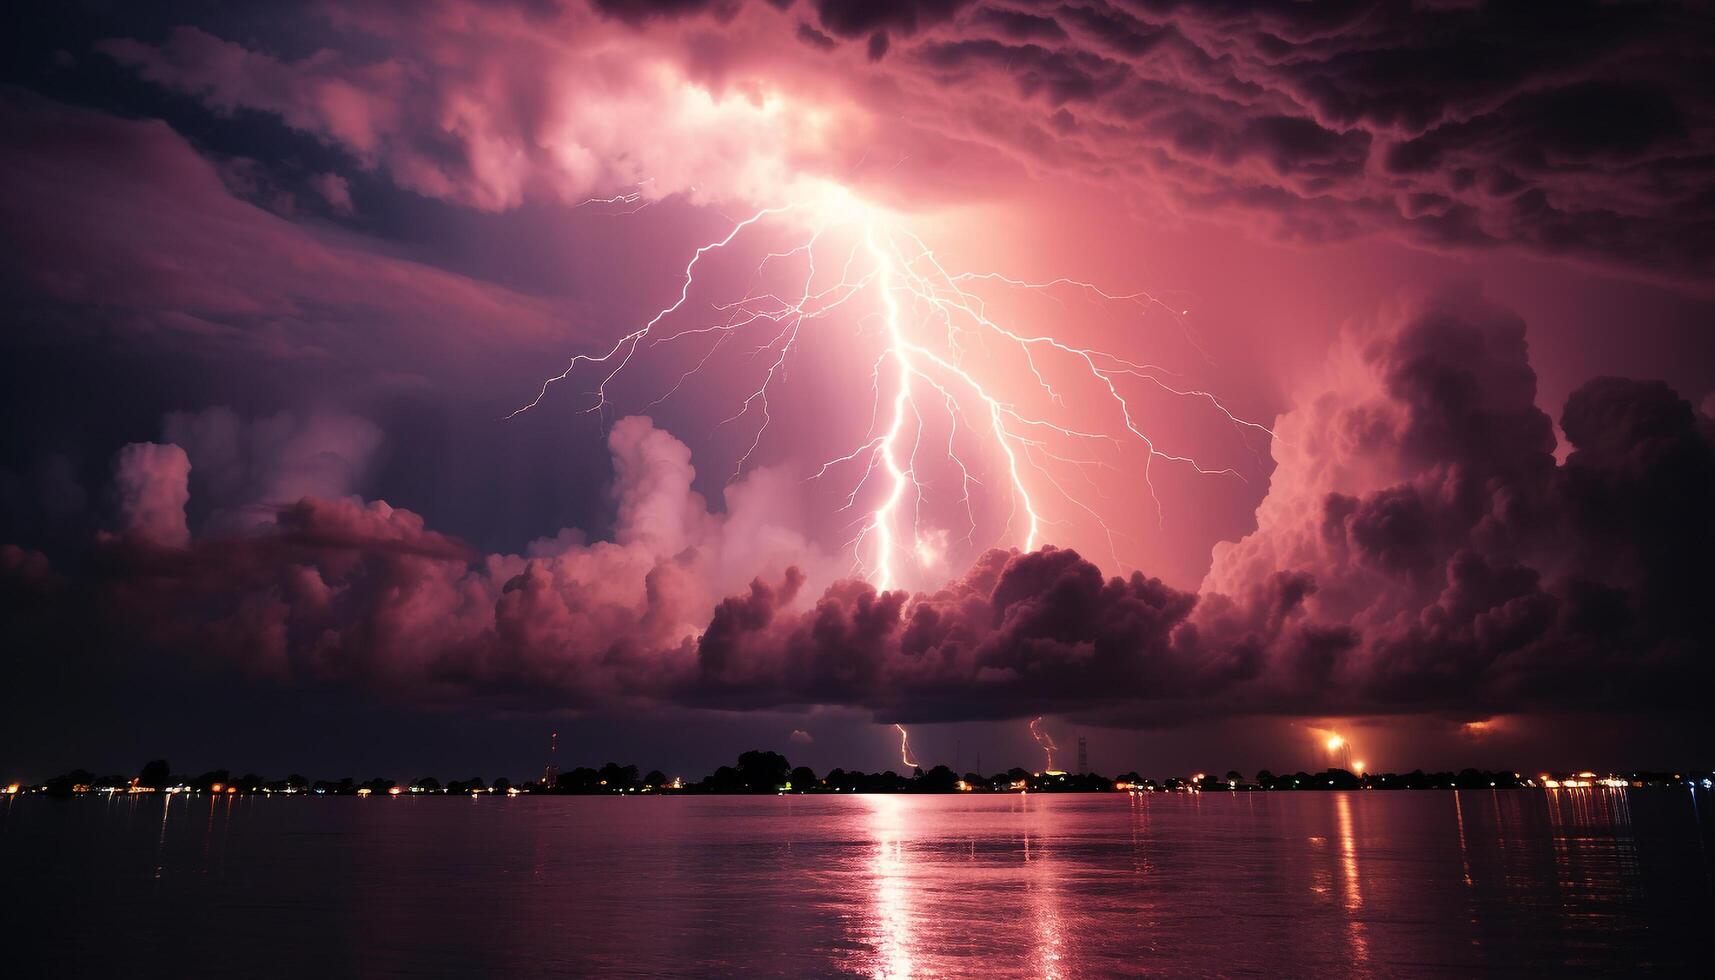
{"points": [[1420, 550], [809, 35], [1018, 25], [137, 236], [640, 12], [1431, 516], [856, 18], [1585, 133]]}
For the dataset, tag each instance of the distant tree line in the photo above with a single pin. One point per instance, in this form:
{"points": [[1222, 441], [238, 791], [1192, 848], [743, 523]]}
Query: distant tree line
{"points": [[762, 772]]}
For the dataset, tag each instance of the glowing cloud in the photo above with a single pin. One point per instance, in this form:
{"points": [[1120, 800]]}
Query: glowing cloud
{"points": [[949, 381]]}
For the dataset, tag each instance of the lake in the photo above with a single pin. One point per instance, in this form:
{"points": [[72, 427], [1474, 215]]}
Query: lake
{"points": [[1327, 884]]}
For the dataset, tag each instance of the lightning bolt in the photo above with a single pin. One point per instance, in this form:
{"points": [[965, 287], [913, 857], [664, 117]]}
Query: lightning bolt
{"points": [[1043, 739], [905, 748], [625, 202], [935, 365]]}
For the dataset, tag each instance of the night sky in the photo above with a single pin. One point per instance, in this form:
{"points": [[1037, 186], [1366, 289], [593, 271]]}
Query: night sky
{"points": [[1400, 420]]}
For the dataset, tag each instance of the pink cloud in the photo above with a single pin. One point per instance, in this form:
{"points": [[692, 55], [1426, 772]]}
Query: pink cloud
{"points": [[336, 190], [153, 485], [514, 110], [132, 226], [343, 590], [248, 469], [1421, 550], [1304, 122]]}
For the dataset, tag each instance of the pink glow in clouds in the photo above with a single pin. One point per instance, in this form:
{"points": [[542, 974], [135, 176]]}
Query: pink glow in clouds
{"points": [[1403, 529], [153, 486], [1319, 124], [1422, 551]]}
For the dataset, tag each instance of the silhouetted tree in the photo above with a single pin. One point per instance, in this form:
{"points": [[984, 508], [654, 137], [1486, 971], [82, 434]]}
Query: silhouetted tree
{"points": [[617, 778], [428, 784], [726, 779], [763, 772], [583, 779], [1337, 779], [937, 780], [67, 783], [656, 779], [803, 779], [155, 774]]}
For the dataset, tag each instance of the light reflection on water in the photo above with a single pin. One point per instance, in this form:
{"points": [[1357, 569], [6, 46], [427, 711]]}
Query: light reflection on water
{"points": [[1338, 884]]}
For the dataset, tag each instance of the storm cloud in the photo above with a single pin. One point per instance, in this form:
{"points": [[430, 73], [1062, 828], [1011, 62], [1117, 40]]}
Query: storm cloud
{"points": [[1459, 126], [1420, 549]]}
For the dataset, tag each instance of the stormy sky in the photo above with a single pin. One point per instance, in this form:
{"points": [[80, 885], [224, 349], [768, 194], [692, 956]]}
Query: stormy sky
{"points": [[1400, 421]]}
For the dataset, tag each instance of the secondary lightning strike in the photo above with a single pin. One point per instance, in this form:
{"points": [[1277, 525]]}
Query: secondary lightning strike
{"points": [[1045, 740], [905, 748], [632, 200], [930, 323]]}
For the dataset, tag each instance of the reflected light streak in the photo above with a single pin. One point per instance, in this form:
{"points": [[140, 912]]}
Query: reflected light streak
{"points": [[892, 913], [1043, 873], [1352, 880]]}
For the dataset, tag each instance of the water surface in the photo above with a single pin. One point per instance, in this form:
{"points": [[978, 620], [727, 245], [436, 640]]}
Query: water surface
{"points": [[1330, 884]]}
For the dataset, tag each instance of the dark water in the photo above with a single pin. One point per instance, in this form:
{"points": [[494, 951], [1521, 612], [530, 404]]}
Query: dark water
{"points": [[1328, 884]]}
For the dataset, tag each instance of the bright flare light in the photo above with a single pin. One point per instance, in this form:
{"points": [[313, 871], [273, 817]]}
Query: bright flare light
{"points": [[1334, 743], [937, 362]]}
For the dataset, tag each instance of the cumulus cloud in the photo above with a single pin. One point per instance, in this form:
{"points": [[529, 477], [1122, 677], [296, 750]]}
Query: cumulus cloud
{"points": [[554, 108], [244, 470], [1420, 549], [1420, 545], [152, 483], [1456, 125], [335, 190], [354, 591]]}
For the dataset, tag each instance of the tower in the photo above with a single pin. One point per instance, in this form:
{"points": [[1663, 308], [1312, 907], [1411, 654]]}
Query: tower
{"points": [[1083, 754], [552, 770]]}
